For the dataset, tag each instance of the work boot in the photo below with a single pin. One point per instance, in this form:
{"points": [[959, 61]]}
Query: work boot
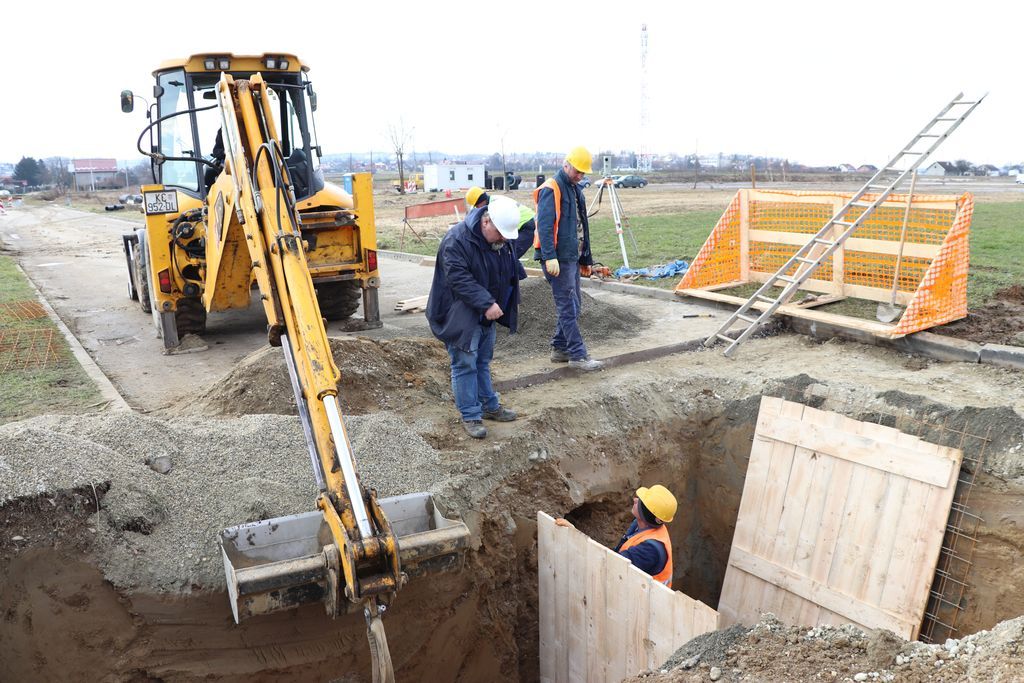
{"points": [[500, 414], [586, 364], [475, 428], [559, 356]]}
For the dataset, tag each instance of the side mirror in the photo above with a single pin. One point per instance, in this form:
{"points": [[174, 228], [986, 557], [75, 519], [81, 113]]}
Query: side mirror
{"points": [[127, 101], [312, 96], [210, 95]]}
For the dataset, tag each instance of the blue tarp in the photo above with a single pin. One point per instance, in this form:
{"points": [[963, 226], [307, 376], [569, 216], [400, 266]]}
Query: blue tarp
{"points": [[654, 272]]}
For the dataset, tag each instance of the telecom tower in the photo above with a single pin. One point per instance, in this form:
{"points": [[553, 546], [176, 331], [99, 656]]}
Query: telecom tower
{"points": [[643, 160]]}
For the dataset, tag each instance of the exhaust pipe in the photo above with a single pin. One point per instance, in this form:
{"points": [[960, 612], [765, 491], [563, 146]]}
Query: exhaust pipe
{"points": [[278, 564]]}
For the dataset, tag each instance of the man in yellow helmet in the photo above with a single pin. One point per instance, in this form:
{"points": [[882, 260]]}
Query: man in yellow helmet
{"points": [[477, 197], [646, 542], [562, 245]]}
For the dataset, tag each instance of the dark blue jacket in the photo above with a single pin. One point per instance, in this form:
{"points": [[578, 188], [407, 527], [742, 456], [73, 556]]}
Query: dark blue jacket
{"points": [[573, 205], [469, 276], [649, 556]]}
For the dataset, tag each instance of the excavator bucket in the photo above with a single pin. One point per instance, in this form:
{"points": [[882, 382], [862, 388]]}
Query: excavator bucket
{"points": [[277, 564]]}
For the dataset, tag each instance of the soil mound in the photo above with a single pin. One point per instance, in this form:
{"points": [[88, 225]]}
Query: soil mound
{"points": [[158, 531], [375, 375], [1000, 321], [599, 320], [770, 651]]}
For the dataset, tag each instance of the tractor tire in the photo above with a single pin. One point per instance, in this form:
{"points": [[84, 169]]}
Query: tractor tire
{"points": [[141, 279], [190, 318], [338, 300]]}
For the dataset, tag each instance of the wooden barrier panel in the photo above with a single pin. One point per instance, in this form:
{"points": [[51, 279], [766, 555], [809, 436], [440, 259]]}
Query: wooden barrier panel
{"points": [[840, 522], [601, 618], [445, 207]]}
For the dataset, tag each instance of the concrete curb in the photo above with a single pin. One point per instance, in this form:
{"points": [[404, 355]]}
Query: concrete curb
{"points": [[1002, 355], [106, 388]]}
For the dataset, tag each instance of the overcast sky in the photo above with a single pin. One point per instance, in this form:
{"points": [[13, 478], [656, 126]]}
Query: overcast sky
{"points": [[817, 82]]}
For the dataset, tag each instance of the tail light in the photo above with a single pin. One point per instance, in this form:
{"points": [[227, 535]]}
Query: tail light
{"points": [[371, 260], [165, 281]]}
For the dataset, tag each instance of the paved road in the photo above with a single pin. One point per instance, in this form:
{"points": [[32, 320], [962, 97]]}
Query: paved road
{"points": [[75, 258]]}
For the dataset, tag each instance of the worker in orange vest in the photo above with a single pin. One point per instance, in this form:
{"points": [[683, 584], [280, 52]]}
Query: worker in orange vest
{"points": [[646, 543]]}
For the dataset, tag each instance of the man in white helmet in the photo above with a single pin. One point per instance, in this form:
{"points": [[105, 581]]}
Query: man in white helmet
{"points": [[476, 284]]}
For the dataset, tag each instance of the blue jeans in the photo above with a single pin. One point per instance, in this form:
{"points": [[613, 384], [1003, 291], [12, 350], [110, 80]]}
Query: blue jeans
{"points": [[568, 305], [471, 374]]}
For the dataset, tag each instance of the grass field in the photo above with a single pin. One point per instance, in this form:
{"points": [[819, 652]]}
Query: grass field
{"points": [[38, 374]]}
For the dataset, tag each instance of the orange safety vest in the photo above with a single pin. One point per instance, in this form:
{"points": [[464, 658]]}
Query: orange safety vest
{"points": [[660, 534], [553, 184]]}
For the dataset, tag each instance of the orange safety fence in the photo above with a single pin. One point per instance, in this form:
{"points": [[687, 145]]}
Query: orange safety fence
{"points": [[761, 230]]}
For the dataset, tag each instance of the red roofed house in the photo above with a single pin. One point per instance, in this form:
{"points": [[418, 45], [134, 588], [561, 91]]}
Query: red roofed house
{"points": [[90, 174]]}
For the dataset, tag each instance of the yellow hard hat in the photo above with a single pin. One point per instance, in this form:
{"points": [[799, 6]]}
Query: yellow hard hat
{"points": [[473, 196], [580, 159], [659, 500]]}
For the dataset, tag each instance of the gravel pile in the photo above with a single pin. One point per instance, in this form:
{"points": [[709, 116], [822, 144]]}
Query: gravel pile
{"points": [[599, 320], [159, 531]]}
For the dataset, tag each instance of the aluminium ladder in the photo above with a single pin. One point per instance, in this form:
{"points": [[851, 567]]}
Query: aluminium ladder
{"points": [[820, 247]]}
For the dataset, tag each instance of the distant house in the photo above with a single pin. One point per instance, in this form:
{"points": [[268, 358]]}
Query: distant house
{"points": [[452, 176], [987, 170], [847, 168], [867, 168], [91, 174], [939, 168]]}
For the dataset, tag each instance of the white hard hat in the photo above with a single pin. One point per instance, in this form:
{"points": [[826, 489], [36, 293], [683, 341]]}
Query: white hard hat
{"points": [[504, 213]]}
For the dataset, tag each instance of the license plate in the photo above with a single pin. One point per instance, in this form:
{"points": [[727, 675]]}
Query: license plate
{"points": [[161, 201]]}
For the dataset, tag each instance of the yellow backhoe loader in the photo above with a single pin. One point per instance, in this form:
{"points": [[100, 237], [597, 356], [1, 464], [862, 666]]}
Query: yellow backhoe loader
{"points": [[255, 209]]}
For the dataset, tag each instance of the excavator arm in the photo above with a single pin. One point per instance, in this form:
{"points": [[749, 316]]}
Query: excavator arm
{"points": [[347, 555]]}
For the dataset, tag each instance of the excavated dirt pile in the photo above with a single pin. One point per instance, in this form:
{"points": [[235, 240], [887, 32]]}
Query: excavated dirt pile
{"points": [[375, 375], [1000, 321], [771, 651], [599, 320]]}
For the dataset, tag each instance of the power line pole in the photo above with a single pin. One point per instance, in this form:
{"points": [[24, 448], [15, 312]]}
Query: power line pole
{"points": [[644, 159]]}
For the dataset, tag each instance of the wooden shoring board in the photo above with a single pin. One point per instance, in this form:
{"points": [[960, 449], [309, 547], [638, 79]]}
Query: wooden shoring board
{"points": [[601, 618], [416, 303], [876, 329], [840, 521]]}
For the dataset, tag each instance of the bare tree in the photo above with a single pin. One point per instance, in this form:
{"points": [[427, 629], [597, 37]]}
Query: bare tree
{"points": [[400, 137]]}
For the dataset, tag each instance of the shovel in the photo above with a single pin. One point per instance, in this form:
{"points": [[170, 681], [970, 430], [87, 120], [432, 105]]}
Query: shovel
{"points": [[888, 312]]}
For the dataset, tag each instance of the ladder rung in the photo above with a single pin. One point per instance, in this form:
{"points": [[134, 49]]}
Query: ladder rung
{"points": [[929, 135], [947, 119], [964, 102], [846, 223], [907, 151], [785, 278], [746, 318], [725, 337], [882, 187], [859, 203], [821, 240], [805, 260], [766, 299]]}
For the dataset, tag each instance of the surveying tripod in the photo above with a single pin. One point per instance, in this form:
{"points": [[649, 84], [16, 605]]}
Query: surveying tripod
{"points": [[618, 216]]}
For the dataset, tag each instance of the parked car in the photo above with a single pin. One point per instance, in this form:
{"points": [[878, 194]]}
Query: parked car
{"points": [[585, 183], [630, 181]]}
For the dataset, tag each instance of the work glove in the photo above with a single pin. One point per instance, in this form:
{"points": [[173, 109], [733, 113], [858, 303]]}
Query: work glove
{"points": [[551, 265], [585, 271]]}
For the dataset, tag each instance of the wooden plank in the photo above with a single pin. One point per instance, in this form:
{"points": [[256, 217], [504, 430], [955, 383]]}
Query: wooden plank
{"points": [[906, 462], [784, 529], [682, 621], [574, 585], [638, 587], [411, 304], [596, 556], [875, 328], [846, 605], [546, 550], [563, 576], [705, 619], [616, 624], [660, 628], [745, 232], [798, 239]]}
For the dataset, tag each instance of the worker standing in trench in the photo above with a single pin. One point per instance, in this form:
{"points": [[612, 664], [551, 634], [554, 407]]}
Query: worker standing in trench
{"points": [[646, 542], [476, 284], [477, 197], [562, 245]]}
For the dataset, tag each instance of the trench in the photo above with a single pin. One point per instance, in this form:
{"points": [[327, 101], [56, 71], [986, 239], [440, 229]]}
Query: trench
{"points": [[480, 624]]}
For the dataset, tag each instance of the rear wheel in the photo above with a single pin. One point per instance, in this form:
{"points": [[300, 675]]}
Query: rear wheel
{"points": [[190, 318], [141, 278], [338, 300]]}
